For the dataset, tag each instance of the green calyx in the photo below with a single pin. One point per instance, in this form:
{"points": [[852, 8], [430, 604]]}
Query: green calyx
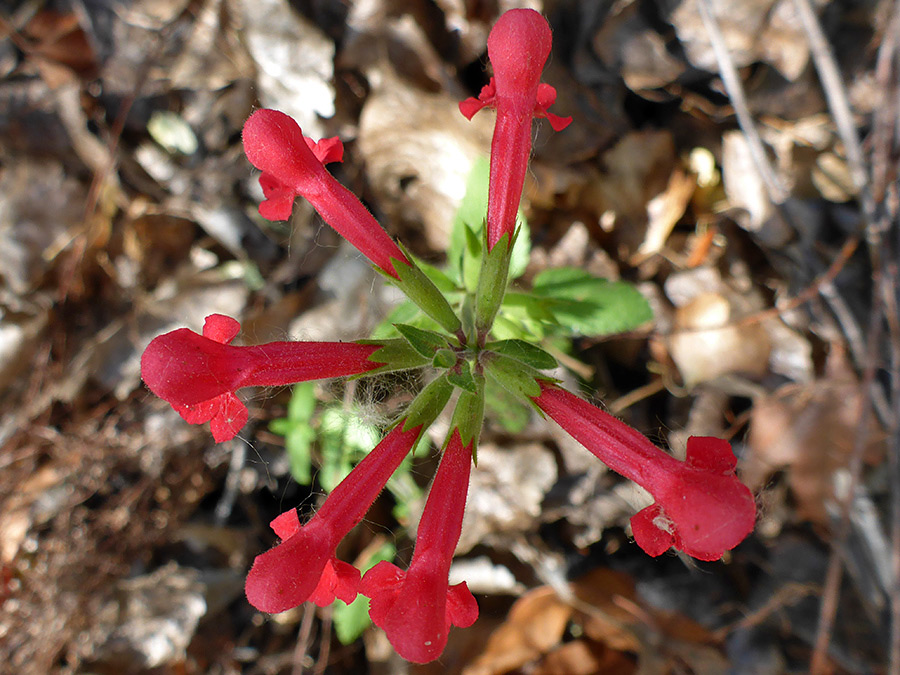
{"points": [[523, 351], [429, 403], [513, 375], [422, 291], [469, 413], [425, 342], [395, 354], [492, 280]]}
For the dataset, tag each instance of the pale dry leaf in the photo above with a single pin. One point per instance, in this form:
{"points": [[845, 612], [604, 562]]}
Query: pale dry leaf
{"points": [[294, 59], [744, 187], [664, 211], [705, 345], [506, 492], [419, 152], [753, 30]]}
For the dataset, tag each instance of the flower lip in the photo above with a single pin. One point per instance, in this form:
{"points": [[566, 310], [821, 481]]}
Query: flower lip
{"points": [[701, 507]]}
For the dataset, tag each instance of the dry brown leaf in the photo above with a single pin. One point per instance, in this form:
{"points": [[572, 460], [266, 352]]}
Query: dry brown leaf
{"points": [[61, 49], [581, 657], [708, 346], [663, 211], [602, 615], [419, 152], [809, 430], [536, 623]]}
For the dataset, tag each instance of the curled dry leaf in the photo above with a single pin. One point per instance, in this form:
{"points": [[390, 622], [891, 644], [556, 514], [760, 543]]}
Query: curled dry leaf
{"points": [[419, 152]]}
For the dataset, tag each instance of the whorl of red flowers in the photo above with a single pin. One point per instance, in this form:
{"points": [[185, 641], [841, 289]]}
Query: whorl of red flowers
{"points": [[293, 165], [518, 46], [198, 374], [701, 507]]}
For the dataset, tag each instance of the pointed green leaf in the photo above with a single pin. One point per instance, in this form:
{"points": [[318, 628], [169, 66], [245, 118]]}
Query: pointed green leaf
{"points": [[525, 352], [395, 354], [513, 375], [425, 342], [444, 358], [428, 404], [469, 414], [589, 305], [462, 377]]}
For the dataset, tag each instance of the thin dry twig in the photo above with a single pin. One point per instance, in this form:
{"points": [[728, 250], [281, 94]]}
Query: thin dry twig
{"points": [[892, 283], [777, 192], [836, 96], [883, 288]]}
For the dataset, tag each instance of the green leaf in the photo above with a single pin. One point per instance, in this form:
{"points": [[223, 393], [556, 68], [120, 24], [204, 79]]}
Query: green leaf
{"points": [[469, 414], [343, 438], [351, 621], [492, 282], [425, 342], [462, 377], [525, 352], [588, 305], [513, 375], [297, 432], [403, 486], [443, 359], [419, 288], [464, 250], [505, 409], [298, 444], [395, 354], [303, 402], [428, 404]]}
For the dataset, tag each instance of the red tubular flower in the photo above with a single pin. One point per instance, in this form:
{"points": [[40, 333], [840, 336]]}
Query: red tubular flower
{"points": [[293, 165], [518, 47], [303, 567], [416, 608], [198, 374], [701, 507]]}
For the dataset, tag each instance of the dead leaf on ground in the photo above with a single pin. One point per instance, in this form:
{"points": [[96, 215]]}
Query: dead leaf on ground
{"points": [[534, 625], [808, 430]]}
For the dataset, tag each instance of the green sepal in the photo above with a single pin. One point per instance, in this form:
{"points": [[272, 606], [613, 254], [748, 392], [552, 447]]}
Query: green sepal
{"points": [[467, 312], [469, 415], [425, 342], [513, 375], [444, 358], [422, 291], [461, 376], [523, 351], [428, 404], [492, 280], [470, 261], [395, 354]]}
